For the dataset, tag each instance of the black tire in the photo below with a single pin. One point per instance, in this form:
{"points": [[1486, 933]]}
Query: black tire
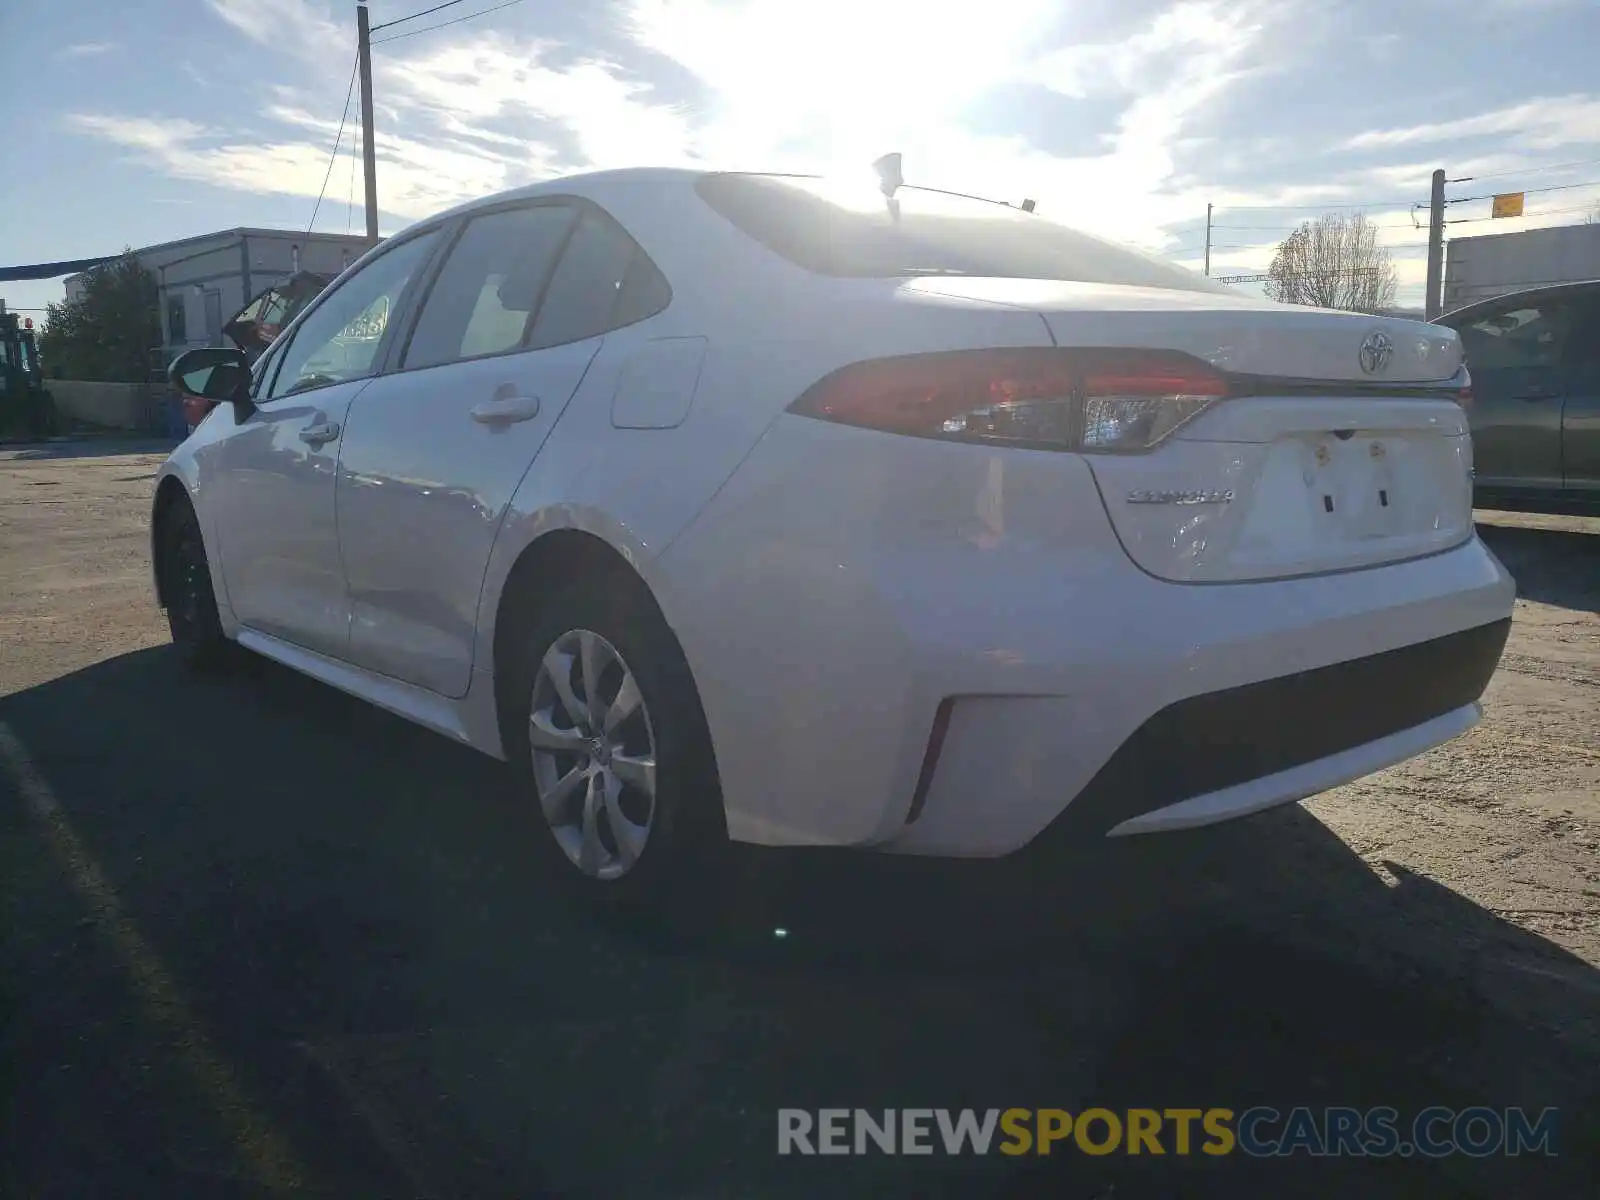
{"points": [[681, 870], [191, 605]]}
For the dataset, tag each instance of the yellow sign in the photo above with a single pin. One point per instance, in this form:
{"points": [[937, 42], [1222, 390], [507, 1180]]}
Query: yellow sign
{"points": [[1508, 205]]}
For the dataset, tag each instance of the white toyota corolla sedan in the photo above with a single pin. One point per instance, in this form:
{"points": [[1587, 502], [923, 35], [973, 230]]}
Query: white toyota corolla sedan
{"points": [[791, 511]]}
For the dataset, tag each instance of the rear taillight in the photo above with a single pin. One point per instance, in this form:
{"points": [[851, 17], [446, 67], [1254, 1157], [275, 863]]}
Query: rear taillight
{"points": [[1098, 400]]}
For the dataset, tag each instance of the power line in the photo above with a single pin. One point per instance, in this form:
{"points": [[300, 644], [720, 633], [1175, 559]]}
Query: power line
{"points": [[1547, 212], [1560, 187], [1291, 228], [415, 15], [395, 37], [1329, 206], [1584, 162], [337, 138]]}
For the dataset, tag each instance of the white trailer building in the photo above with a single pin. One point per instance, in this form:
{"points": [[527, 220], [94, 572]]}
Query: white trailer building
{"points": [[1478, 268], [204, 280]]}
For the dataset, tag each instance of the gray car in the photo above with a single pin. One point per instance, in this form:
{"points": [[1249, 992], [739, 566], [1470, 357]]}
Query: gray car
{"points": [[1535, 409]]}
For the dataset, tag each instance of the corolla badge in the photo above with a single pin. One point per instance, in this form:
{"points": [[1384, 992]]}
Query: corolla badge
{"points": [[1376, 352], [1148, 497]]}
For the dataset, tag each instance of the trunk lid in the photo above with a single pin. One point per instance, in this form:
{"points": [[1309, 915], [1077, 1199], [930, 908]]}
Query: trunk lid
{"points": [[1240, 334], [1339, 446]]}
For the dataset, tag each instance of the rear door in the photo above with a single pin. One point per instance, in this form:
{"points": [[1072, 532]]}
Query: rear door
{"points": [[1516, 354], [436, 449], [1580, 414]]}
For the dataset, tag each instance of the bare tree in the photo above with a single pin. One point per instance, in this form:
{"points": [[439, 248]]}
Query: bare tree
{"points": [[1333, 262]]}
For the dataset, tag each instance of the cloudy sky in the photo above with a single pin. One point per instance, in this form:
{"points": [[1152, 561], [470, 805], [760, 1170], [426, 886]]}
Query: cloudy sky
{"points": [[137, 123]]}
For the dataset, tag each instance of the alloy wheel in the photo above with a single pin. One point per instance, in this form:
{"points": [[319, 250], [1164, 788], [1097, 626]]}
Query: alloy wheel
{"points": [[594, 754]]}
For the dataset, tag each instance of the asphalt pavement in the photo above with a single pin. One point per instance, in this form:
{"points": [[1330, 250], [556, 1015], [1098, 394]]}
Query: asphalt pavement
{"points": [[345, 909], [258, 938]]}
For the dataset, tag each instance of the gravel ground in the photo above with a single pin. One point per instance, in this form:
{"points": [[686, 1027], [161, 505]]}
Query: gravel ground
{"points": [[1452, 902]]}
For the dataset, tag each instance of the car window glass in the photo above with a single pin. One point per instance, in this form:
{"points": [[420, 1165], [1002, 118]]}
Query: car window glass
{"points": [[261, 372], [839, 229], [1583, 337], [587, 282], [1529, 336], [339, 339], [645, 292], [489, 285]]}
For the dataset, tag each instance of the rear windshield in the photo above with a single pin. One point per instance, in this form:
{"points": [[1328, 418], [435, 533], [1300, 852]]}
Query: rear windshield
{"points": [[833, 229]]}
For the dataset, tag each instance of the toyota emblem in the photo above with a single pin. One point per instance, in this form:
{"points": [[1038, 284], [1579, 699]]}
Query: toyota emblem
{"points": [[1376, 352]]}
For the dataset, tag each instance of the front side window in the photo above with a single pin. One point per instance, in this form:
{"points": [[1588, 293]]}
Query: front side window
{"points": [[848, 230], [490, 285], [340, 338], [1532, 335]]}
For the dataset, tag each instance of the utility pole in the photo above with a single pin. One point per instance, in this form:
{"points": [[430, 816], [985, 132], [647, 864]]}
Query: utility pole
{"points": [[369, 155], [1431, 303], [1208, 239]]}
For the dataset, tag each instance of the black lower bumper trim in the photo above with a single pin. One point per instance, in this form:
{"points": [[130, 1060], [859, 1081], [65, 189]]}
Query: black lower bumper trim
{"points": [[1221, 739]]}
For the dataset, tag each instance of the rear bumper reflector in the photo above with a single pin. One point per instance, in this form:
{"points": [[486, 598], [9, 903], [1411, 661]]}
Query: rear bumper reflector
{"points": [[930, 758]]}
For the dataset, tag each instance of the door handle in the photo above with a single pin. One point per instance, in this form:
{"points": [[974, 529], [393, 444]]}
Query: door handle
{"points": [[506, 410], [320, 434]]}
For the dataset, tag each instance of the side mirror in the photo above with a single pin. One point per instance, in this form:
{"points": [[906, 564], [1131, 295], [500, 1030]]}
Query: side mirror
{"points": [[214, 374]]}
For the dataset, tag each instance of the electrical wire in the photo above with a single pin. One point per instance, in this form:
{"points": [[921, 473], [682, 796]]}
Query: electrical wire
{"points": [[415, 15], [1585, 162], [1559, 187], [454, 21], [337, 138], [1291, 228], [1329, 207], [1545, 212]]}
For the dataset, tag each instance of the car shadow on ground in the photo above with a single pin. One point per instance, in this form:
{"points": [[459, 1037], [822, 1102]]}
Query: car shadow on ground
{"points": [[1552, 566], [348, 905], [85, 447]]}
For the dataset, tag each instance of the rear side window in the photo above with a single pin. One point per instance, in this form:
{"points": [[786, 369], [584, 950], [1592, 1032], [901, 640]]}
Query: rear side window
{"points": [[489, 287], [832, 229], [604, 280], [1583, 336], [645, 291]]}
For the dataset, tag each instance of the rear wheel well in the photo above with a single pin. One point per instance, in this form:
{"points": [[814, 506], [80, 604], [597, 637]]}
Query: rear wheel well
{"points": [[168, 494], [548, 565]]}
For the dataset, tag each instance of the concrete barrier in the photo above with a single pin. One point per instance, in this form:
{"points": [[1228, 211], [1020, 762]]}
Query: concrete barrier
{"points": [[107, 405]]}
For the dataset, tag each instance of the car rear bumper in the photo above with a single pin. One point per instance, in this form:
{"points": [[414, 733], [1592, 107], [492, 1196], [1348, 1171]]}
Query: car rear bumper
{"points": [[1224, 754], [988, 600]]}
